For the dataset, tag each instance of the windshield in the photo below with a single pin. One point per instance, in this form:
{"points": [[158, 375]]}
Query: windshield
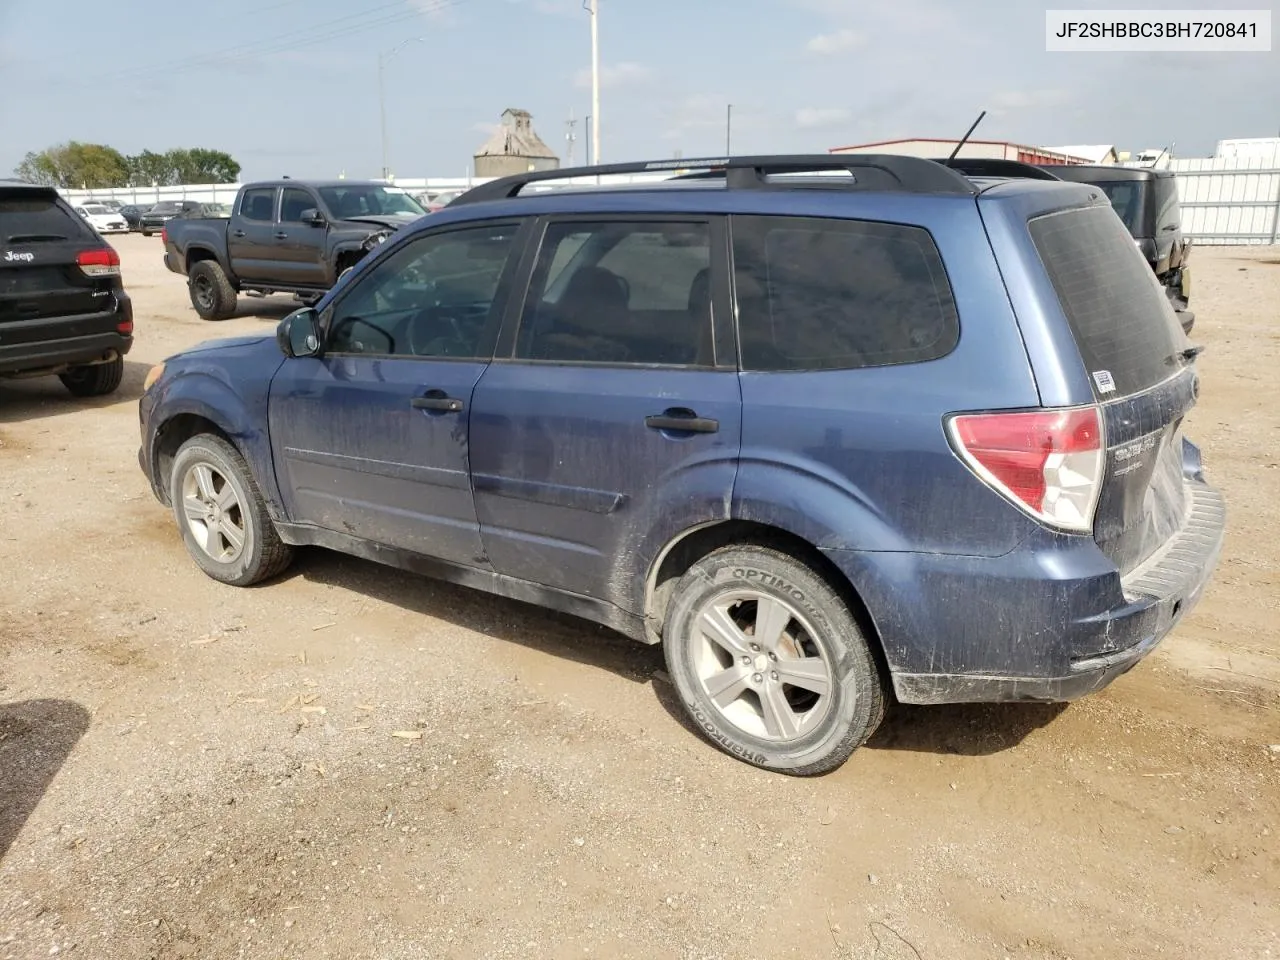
{"points": [[363, 201], [165, 206], [96, 209], [1127, 198]]}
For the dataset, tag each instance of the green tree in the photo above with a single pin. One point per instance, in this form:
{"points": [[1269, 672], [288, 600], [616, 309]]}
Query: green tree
{"points": [[198, 165], [75, 164], [147, 168]]}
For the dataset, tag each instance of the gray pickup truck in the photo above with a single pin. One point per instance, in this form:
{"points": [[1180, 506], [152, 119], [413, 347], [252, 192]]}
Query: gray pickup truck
{"points": [[287, 236]]}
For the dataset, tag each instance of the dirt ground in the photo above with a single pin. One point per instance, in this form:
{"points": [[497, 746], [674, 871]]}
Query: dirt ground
{"points": [[191, 770]]}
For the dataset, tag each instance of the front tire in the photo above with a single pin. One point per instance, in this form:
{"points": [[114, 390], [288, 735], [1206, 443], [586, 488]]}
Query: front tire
{"points": [[223, 519], [211, 292], [770, 663], [97, 380]]}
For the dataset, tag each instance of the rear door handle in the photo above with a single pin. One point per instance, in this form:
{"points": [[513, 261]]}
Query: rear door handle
{"points": [[237, 234], [436, 400], [681, 419], [281, 235]]}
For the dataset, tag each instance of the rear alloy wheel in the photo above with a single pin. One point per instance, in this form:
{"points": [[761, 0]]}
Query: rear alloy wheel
{"points": [[211, 292], [770, 663], [97, 380], [224, 522]]}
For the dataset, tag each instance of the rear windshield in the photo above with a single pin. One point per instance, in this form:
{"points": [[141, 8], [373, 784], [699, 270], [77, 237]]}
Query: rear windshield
{"points": [[27, 217], [1128, 335], [1128, 199]]}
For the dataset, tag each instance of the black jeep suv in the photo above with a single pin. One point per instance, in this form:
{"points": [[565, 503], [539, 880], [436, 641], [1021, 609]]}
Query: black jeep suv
{"points": [[63, 309], [1146, 200]]}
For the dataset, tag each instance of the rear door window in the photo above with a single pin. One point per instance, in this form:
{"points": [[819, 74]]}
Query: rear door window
{"points": [[1123, 324], [259, 205], [28, 216], [819, 294], [621, 292]]}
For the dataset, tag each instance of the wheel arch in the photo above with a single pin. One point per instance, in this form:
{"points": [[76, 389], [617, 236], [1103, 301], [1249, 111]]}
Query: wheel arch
{"points": [[196, 403], [197, 254], [169, 437]]}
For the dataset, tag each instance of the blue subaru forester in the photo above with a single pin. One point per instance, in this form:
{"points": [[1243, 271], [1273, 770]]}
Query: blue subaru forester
{"points": [[826, 428]]}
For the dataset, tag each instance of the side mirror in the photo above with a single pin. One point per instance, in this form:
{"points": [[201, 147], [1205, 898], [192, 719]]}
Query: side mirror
{"points": [[299, 334], [313, 216]]}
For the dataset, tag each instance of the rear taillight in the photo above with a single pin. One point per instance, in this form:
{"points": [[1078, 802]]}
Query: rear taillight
{"points": [[125, 328], [1048, 462], [99, 263], [164, 234]]}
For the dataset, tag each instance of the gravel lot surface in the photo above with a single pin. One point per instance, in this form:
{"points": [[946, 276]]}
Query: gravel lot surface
{"points": [[352, 762]]}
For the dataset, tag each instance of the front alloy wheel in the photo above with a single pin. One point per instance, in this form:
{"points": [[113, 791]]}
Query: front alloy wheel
{"points": [[214, 514]]}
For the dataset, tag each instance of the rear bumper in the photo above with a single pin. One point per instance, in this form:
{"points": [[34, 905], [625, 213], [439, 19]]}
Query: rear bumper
{"points": [[1045, 622], [55, 344]]}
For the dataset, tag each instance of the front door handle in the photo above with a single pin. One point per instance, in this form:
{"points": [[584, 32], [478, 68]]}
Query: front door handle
{"points": [[238, 234], [281, 235], [436, 400], [681, 419]]}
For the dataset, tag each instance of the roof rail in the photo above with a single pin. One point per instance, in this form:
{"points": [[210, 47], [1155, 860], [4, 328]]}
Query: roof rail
{"points": [[997, 167], [872, 171]]}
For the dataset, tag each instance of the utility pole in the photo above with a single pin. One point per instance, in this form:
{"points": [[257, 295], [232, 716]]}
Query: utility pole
{"points": [[593, 6], [382, 98], [728, 131], [590, 158], [571, 137]]}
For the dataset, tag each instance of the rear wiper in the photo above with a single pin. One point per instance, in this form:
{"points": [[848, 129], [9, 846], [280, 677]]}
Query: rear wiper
{"points": [[36, 238]]}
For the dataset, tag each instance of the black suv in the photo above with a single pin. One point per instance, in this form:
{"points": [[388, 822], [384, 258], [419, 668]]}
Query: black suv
{"points": [[63, 309], [1147, 201]]}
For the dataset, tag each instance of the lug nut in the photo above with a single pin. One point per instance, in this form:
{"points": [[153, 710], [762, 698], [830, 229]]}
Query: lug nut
{"points": [[746, 661], [773, 656], [756, 647], [774, 675], [756, 678]]}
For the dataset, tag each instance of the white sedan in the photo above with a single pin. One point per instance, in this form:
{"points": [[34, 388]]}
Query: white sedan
{"points": [[102, 218]]}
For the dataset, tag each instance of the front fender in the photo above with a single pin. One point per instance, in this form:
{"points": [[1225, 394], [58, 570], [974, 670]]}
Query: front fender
{"points": [[239, 414]]}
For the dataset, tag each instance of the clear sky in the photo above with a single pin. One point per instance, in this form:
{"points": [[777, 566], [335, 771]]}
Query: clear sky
{"points": [[290, 86]]}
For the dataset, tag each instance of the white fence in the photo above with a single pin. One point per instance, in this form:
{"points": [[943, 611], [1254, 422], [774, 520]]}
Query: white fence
{"points": [[1225, 200], [226, 192], [1229, 200]]}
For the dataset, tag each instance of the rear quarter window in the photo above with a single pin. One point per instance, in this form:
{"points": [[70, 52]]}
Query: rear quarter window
{"points": [[1124, 327], [817, 294], [31, 217]]}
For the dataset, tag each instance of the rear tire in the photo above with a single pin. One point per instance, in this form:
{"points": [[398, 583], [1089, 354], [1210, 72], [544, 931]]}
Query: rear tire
{"points": [[770, 663], [221, 514], [146, 233], [94, 381], [211, 292]]}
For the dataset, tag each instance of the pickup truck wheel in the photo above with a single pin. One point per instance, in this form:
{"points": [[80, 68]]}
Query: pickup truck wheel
{"points": [[94, 381], [224, 522], [770, 663], [211, 292]]}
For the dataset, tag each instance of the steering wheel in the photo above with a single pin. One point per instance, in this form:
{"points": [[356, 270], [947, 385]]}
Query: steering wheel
{"points": [[433, 332]]}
